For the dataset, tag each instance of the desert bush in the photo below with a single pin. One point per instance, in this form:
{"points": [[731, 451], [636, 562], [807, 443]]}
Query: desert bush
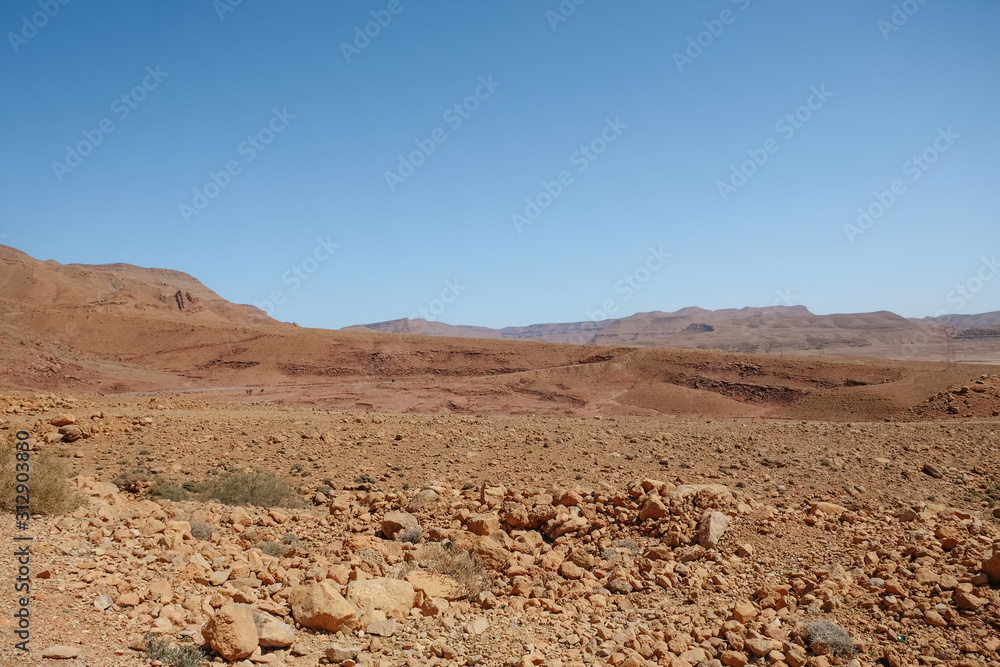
{"points": [[273, 548], [291, 539], [825, 637], [164, 488], [50, 491], [160, 650], [262, 489], [201, 530], [458, 563], [412, 535]]}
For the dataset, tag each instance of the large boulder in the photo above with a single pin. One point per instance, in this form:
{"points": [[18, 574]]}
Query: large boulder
{"points": [[322, 606], [383, 594], [231, 632]]}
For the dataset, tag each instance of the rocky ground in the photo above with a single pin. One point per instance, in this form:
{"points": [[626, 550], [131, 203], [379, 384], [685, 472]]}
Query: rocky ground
{"points": [[463, 540]]}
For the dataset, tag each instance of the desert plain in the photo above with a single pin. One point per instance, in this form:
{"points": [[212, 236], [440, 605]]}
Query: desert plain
{"points": [[226, 488]]}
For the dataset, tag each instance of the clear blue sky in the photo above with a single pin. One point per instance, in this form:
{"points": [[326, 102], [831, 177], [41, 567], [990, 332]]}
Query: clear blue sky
{"points": [[198, 87]]}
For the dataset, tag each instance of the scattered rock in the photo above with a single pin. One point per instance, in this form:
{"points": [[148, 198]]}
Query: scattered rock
{"points": [[231, 632], [322, 606], [397, 522], [60, 652], [383, 594], [710, 529]]}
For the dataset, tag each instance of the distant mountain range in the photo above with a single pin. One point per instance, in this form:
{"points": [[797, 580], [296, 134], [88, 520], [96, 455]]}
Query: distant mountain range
{"points": [[774, 329]]}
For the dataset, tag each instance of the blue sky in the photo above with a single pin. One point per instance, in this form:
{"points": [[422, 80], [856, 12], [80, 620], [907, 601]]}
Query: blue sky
{"points": [[600, 160]]}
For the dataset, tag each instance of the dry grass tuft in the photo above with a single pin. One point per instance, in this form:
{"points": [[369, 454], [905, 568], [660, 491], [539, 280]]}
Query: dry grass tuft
{"points": [[825, 637], [49, 489], [262, 489], [458, 563]]}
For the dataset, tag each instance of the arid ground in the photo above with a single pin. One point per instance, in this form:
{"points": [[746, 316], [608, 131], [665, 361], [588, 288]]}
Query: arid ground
{"points": [[253, 492]]}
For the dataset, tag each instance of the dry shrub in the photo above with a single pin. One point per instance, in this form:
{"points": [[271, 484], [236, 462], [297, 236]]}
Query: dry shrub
{"points": [[825, 637], [262, 489], [201, 530], [49, 488], [412, 535], [172, 656], [458, 563], [274, 548]]}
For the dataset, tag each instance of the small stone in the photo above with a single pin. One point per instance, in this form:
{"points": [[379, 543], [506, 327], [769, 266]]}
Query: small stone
{"points": [[396, 522], [653, 509], [322, 606], [761, 646], [991, 567], [271, 631], [933, 471], [829, 509], [968, 601], [933, 618], [733, 658], [383, 594], [710, 529], [63, 420], [478, 626], [744, 612], [130, 599], [60, 652], [382, 628], [103, 602], [483, 524], [339, 652], [571, 570]]}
